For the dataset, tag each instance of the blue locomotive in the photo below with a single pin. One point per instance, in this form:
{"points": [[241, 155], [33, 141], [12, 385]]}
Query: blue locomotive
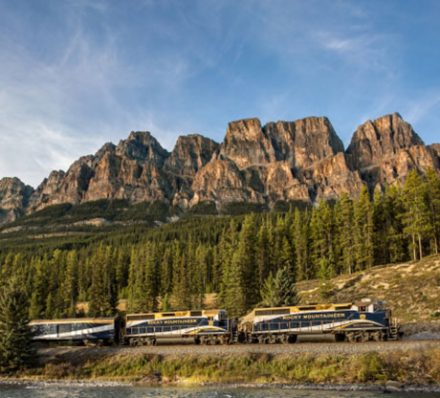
{"points": [[354, 322], [201, 326]]}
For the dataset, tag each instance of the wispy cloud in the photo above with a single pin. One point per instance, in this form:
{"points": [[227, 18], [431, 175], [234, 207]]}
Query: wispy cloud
{"points": [[78, 73]]}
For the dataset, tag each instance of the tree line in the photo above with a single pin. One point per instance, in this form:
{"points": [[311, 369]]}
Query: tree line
{"points": [[246, 260]]}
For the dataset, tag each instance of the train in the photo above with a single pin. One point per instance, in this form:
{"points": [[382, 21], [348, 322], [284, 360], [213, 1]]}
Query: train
{"points": [[353, 322]]}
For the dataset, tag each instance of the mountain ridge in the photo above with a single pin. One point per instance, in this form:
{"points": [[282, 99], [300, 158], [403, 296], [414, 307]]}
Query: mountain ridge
{"points": [[303, 160]]}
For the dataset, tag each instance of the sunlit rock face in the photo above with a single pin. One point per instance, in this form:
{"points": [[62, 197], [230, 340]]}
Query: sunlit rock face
{"points": [[280, 161], [386, 149], [303, 160], [14, 198]]}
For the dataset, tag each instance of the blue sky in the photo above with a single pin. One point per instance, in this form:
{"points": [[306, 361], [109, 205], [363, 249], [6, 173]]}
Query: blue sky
{"points": [[77, 73]]}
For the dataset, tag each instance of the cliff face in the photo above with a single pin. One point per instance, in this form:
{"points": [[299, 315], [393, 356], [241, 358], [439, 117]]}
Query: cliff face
{"points": [[302, 160], [14, 197], [282, 161], [386, 149]]}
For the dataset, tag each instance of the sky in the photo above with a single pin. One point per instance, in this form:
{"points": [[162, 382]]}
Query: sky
{"points": [[75, 74]]}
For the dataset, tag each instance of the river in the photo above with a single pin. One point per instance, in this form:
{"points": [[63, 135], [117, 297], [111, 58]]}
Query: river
{"points": [[60, 391]]}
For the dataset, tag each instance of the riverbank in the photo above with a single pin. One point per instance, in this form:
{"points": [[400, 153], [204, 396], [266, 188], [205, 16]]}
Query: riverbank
{"points": [[400, 369]]}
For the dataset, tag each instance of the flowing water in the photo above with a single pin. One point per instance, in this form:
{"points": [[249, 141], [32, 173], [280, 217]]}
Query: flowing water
{"points": [[57, 391]]}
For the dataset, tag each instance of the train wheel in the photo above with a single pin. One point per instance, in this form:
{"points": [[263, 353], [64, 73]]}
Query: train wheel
{"points": [[224, 339], [273, 339], [340, 337], [251, 339], [351, 337], [284, 339], [197, 340], [292, 338], [364, 337]]}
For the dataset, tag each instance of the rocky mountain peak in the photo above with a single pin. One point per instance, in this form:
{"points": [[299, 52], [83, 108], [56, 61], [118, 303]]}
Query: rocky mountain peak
{"points": [[190, 154], [247, 144], [386, 149], [141, 145], [14, 197], [385, 136], [304, 141], [108, 147]]}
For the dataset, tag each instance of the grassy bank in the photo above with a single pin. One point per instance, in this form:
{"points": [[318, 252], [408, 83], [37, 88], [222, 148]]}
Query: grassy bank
{"points": [[415, 367], [410, 289]]}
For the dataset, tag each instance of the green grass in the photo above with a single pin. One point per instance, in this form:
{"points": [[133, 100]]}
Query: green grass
{"points": [[409, 367]]}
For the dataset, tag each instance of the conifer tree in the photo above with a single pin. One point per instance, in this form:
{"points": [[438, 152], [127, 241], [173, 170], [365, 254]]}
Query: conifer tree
{"points": [[270, 291], [181, 286], [322, 233], [263, 255], [233, 291], [151, 283], [300, 235], [245, 259], [287, 287], [396, 243], [345, 232], [69, 284], [122, 268], [102, 295], [433, 203], [16, 350], [363, 231], [135, 281], [200, 275], [416, 216], [37, 303]]}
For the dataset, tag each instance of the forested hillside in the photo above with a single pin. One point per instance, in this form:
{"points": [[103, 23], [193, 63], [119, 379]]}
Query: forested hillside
{"points": [[245, 259]]}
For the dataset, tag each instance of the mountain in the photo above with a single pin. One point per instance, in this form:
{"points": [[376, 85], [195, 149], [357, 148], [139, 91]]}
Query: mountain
{"points": [[299, 161], [386, 149], [14, 199]]}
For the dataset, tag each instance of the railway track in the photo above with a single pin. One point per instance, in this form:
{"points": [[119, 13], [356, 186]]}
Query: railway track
{"points": [[312, 347]]}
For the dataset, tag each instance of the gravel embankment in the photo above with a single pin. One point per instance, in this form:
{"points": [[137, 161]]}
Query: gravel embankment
{"points": [[81, 353]]}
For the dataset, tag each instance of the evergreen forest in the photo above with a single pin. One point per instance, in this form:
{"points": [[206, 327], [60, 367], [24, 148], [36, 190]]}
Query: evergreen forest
{"points": [[247, 260]]}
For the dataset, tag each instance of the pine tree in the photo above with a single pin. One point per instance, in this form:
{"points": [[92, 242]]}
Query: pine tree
{"points": [[245, 259], [122, 268], [166, 271], [323, 237], [396, 242], [233, 292], [263, 255], [433, 203], [200, 275], [345, 232], [300, 235], [181, 286], [69, 285], [151, 282], [102, 295], [37, 304], [286, 285], [16, 349], [416, 216], [363, 231], [270, 292], [135, 281]]}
